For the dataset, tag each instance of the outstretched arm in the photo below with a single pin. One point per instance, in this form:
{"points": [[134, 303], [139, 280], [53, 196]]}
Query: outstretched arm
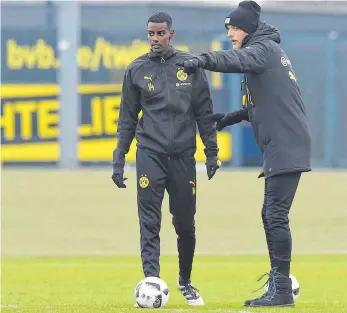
{"points": [[252, 59]]}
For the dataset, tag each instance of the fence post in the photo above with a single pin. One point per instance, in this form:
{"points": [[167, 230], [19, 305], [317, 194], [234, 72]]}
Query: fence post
{"points": [[234, 99], [68, 41], [331, 106]]}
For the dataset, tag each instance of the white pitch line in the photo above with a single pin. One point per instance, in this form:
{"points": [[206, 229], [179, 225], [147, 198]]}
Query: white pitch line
{"points": [[11, 306]]}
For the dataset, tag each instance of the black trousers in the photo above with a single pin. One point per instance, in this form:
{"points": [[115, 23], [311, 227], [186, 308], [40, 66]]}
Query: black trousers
{"points": [[176, 174], [279, 195]]}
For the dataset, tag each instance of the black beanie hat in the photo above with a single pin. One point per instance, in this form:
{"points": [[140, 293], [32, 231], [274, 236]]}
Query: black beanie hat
{"points": [[245, 16]]}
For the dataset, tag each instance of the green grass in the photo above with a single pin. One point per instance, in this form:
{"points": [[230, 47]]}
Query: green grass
{"points": [[66, 285], [70, 243]]}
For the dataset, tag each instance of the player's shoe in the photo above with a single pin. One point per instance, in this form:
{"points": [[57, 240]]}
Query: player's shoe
{"points": [[279, 293], [191, 294]]}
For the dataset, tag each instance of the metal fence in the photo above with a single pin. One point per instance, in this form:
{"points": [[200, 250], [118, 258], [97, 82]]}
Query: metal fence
{"points": [[315, 43]]}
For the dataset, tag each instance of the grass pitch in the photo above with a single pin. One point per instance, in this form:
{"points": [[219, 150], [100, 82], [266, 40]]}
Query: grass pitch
{"points": [[81, 285], [70, 243]]}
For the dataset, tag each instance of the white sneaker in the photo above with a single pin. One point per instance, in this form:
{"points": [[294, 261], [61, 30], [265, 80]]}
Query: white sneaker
{"points": [[192, 295]]}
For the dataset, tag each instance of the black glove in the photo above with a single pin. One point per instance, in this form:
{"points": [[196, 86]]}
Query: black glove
{"points": [[118, 178], [118, 168], [218, 118], [223, 120], [191, 66], [212, 165]]}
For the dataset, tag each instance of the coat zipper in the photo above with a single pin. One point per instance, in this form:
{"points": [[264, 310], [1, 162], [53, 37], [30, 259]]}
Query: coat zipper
{"points": [[162, 60], [170, 124]]}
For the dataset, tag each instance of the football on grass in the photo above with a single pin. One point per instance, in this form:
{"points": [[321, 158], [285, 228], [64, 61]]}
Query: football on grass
{"points": [[151, 292]]}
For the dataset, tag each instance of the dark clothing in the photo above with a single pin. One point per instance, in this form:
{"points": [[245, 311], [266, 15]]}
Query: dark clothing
{"points": [[245, 16], [278, 198], [274, 103], [172, 103], [178, 176], [236, 117]]}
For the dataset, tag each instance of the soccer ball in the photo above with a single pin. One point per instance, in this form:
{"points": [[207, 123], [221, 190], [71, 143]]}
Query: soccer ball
{"points": [[151, 292], [295, 287]]}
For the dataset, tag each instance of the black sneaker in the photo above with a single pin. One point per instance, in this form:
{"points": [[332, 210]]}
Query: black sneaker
{"points": [[279, 292]]}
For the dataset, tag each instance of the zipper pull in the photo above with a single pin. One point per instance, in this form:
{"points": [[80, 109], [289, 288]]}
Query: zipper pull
{"points": [[162, 60]]}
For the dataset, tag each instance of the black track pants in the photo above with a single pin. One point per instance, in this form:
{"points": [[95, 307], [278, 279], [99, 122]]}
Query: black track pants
{"points": [[176, 174], [279, 194]]}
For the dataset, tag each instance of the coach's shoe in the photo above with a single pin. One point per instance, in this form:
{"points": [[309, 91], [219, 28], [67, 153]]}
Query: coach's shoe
{"points": [[269, 287], [248, 302], [191, 294], [279, 293]]}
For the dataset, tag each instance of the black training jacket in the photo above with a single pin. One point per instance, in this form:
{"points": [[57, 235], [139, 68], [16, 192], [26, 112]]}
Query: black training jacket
{"points": [[172, 105], [274, 105]]}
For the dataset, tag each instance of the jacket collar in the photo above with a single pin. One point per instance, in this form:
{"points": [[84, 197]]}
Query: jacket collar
{"points": [[264, 31], [167, 54]]}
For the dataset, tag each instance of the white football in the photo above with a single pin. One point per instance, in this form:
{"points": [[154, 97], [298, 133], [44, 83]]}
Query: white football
{"points": [[151, 292], [295, 287]]}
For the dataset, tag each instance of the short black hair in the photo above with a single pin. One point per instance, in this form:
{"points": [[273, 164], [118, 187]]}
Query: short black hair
{"points": [[161, 17]]}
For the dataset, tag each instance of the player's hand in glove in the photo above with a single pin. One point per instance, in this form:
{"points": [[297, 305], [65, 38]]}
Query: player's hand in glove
{"points": [[118, 177], [118, 168], [191, 66], [212, 165]]}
